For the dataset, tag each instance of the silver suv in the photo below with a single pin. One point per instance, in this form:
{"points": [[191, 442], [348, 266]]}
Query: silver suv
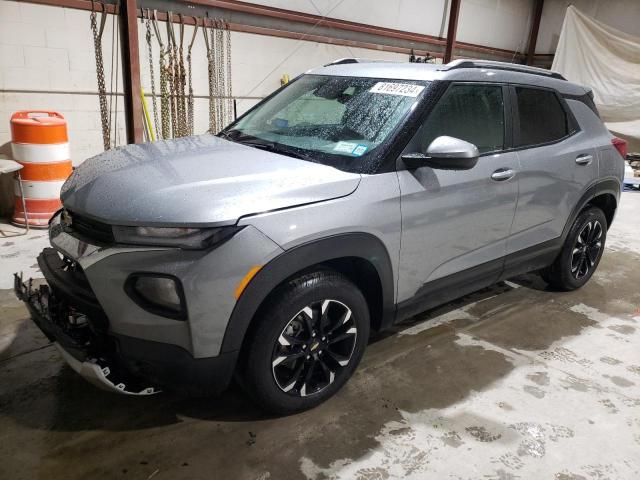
{"points": [[354, 197]]}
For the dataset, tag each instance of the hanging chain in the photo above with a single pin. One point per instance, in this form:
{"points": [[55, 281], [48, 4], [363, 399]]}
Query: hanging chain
{"points": [[181, 78], [165, 100], [220, 75], [229, 90], [173, 51], [176, 79], [102, 89], [208, 40], [190, 98], [164, 89], [216, 72], [154, 103]]}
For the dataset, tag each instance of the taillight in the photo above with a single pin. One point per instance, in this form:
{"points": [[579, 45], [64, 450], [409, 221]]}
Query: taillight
{"points": [[621, 146]]}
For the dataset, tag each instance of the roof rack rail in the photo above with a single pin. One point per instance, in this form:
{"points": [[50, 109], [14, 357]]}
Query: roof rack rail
{"points": [[511, 67], [344, 61]]}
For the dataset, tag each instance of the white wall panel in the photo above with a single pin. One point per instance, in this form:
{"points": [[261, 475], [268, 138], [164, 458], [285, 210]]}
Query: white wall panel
{"points": [[621, 14], [59, 55], [51, 48], [495, 23], [420, 16]]}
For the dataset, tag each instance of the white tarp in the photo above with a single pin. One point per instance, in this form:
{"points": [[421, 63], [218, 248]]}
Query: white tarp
{"points": [[607, 60]]}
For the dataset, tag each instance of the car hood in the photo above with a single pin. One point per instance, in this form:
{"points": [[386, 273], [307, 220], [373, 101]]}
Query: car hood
{"points": [[201, 180]]}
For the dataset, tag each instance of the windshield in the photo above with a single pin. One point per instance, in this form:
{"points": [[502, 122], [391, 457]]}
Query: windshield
{"points": [[337, 121]]}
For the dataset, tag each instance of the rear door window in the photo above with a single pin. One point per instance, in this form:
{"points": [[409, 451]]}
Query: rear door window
{"points": [[474, 113], [542, 117]]}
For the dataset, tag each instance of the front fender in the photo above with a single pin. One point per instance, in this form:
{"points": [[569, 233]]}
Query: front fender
{"points": [[359, 245]]}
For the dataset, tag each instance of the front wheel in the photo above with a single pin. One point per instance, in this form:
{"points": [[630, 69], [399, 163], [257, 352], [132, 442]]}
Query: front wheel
{"points": [[308, 341], [581, 252]]}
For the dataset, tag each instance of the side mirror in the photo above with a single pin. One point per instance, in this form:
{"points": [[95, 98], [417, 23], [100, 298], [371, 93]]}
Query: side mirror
{"points": [[445, 153]]}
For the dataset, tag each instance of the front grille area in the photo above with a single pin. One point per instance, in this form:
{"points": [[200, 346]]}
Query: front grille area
{"points": [[71, 287], [91, 229]]}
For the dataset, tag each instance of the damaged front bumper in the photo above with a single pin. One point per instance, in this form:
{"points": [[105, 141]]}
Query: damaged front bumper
{"points": [[69, 314], [89, 353]]}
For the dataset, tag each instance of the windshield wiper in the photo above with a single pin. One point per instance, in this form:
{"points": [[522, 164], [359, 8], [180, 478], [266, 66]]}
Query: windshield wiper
{"points": [[269, 146], [224, 134], [251, 141]]}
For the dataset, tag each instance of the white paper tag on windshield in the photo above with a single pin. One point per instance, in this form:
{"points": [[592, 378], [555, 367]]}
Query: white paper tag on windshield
{"points": [[345, 147], [404, 89]]}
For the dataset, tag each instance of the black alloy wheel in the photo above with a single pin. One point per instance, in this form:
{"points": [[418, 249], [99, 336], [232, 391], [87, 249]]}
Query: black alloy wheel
{"points": [[305, 342], [581, 252], [586, 249], [313, 347]]}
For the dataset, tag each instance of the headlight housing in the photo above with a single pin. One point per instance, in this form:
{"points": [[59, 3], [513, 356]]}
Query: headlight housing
{"points": [[181, 237]]}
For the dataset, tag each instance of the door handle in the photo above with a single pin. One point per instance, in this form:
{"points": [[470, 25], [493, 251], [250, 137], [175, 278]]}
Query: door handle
{"points": [[502, 174], [584, 159]]}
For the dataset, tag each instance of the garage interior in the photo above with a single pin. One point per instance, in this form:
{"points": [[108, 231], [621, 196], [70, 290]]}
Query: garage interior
{"points": [[515, 381]]}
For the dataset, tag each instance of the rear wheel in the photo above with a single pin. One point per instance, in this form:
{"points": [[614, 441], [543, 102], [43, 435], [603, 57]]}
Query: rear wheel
{"points": [[308, 342], [581, 252]]}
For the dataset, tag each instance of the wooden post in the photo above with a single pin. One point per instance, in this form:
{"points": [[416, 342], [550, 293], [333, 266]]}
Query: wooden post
{"points": [[131, 70], [451, 31], [535, 26]]}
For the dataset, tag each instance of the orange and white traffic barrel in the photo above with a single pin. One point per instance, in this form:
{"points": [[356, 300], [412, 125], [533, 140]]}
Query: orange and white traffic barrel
{"points": [[40, 143]]}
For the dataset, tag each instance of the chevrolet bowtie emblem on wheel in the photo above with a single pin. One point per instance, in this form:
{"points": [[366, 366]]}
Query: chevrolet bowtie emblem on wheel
{"points": [[314, 346]]}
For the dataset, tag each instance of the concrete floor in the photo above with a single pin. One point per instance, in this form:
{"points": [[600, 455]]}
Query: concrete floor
{"points": [[511, 382]]}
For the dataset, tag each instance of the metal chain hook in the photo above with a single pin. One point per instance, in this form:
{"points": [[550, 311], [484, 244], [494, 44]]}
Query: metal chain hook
{"points": [[102, 89], [190, 73], [152, 73]]}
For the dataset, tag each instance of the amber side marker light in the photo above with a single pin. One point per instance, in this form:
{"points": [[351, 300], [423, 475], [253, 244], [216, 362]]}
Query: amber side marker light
{"points": [[245, 281]]}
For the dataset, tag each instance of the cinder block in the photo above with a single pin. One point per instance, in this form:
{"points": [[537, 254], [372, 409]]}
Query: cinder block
{"points": [[57, 37], [85, 80], [84, 144], [87, 120], [85, 102], [79, 17], [18, 33], [11, 56], [13, 102], [41, 14], [83, 60], [60, 79], [25, 78], [46, 58], [10, 11]]}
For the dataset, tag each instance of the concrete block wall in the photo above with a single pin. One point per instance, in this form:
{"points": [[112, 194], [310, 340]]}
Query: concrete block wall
{"points": [[494, 23], [47, 50], [258, 63], [44, 50], [47, 60]]}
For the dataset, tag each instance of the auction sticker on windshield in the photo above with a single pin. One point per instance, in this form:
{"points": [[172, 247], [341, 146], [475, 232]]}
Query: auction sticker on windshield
{"points": [[345, 147], [404, 89]]}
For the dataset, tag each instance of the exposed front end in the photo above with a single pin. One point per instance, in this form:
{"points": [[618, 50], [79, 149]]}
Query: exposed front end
{"points": [[136, 319]]}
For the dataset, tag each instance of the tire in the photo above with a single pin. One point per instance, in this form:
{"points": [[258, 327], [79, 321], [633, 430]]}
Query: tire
{"points": [[581, 252], [308, 341]]}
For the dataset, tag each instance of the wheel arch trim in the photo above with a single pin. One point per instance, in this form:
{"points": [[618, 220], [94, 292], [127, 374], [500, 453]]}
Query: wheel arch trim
{"points": [[358, 244], [601, 187]]}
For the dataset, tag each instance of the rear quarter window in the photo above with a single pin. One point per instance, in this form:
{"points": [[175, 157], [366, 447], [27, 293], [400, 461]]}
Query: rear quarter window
{"points": [[542, 117]]}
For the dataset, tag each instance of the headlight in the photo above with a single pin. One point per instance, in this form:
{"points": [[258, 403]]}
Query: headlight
{"points": [[182, 237]]}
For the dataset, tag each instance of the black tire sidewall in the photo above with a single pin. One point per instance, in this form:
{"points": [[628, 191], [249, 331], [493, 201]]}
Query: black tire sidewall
{"points": [[286, 302], [560, 274]]}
